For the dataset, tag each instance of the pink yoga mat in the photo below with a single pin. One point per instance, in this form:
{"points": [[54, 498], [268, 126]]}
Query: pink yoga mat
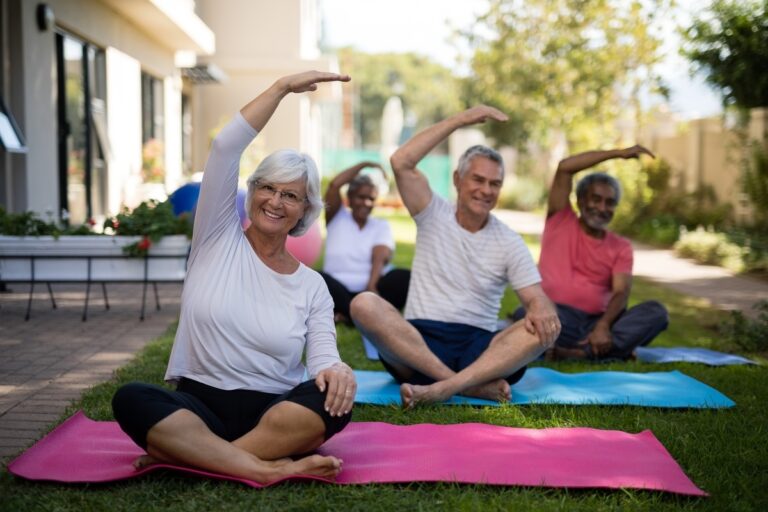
{"points": [[82, 450]]}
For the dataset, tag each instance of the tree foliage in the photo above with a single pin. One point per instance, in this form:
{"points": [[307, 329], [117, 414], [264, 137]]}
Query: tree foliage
{"points": [[428, 90], [755, 185], [568, 65], [729, 42]]}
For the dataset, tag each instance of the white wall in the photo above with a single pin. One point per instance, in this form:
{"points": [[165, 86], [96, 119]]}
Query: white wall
{"points": [[38, 50], [258, 41], [104, 27], [129, 50], [124, 128], [173, 166]]}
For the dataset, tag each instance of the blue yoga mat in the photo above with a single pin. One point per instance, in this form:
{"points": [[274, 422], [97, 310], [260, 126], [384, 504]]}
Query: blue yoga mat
{"points": [[546, 386], [688, 355], [370, 351]]}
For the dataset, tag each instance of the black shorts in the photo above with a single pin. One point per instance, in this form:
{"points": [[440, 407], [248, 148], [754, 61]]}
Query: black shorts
{"points": [[229, 414], [456, 345]]}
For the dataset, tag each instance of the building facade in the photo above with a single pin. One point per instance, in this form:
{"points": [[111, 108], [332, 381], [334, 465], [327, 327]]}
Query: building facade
{"points": [[109, 102]]}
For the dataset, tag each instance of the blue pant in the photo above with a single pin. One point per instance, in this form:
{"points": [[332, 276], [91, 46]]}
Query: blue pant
{"points": [[635, 327], [456, 345]]}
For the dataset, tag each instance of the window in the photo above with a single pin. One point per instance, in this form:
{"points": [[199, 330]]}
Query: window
{"points": [[152, 125], [11, 137], [81, 85], [186, 136]]}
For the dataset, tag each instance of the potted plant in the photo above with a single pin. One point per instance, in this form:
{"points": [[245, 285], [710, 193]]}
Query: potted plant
{"points": [[148, 241]]}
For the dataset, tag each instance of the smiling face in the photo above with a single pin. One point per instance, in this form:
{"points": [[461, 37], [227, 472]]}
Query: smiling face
{"points": [[597, 206], [361, 202], [277, 208], [478, 189]]}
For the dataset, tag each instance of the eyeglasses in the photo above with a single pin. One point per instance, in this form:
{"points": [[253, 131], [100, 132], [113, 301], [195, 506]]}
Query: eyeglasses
{"points": [[286, 196]]}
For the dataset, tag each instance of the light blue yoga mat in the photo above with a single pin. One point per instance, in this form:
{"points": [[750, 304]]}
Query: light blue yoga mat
{"points": [[688, 355], [546, 386]]}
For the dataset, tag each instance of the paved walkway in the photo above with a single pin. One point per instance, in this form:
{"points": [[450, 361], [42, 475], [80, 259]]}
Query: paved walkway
{"points": [[50, 360]]}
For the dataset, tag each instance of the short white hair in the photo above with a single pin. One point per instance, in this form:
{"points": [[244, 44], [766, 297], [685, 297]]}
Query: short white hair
{"points": [[284, 166], [479, 151]]}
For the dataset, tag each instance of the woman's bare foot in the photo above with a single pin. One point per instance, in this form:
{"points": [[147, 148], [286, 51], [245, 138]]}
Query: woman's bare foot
{"points": [[412, 394], [497, 390], [144, 461], [324, 466]]}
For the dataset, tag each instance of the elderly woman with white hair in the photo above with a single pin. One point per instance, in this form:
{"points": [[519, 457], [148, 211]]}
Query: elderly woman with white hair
{"points": [[249, 312]]}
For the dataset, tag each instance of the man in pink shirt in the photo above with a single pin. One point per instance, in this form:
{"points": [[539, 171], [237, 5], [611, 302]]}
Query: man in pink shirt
{"points": [[587, 270]]}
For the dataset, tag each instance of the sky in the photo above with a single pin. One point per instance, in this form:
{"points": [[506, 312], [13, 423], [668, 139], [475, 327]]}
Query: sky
{"points": [[425, 26]]}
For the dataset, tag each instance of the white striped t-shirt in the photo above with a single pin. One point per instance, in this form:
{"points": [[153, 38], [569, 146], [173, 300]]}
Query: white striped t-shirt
{"points": [[460, 277]]}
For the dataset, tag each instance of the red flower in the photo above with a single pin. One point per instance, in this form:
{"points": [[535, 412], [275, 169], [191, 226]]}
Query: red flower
{"points": [[144, 244], [91, 222]]}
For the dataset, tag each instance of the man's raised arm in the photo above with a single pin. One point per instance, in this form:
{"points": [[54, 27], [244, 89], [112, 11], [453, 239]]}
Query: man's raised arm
{"points": [[563, 181], [412, 184]]}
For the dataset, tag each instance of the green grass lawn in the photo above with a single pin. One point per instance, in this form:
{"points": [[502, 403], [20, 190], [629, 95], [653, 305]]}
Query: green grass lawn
{"points": [[722, 451]]}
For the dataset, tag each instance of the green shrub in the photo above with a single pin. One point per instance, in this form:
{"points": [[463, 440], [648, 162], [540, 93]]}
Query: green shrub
{"points": [[651, 210], [754, 245], [662, 230], [152, 220], [526, 193], [29, 224], [755, 184], [707, 246], [750, 335]]}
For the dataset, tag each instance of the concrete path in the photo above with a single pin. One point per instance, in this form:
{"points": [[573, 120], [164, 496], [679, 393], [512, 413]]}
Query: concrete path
{"points": [[50, 360]]}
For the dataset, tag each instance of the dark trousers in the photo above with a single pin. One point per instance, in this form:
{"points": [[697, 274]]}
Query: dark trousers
{"points": [[635, 327], [392, 286]]}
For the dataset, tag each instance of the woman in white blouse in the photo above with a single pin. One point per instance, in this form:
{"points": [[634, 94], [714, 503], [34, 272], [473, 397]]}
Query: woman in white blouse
{"points": [[249, 312], [358, 247]]}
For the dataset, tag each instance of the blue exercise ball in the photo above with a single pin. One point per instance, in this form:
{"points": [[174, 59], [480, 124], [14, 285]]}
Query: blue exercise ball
{"points": [[184, 199]]}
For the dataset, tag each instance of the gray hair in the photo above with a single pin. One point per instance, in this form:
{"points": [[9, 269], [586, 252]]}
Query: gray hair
{"points": [[597, 177], [361, 180], [284, 166], [475, 151]]}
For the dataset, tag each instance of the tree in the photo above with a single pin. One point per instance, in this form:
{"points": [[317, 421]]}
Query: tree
{"points": [[428, 90], [568, 66], [729, 42]]}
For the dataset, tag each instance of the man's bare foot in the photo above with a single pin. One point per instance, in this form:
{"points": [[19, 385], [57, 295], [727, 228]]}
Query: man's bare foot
{"points": [[412, 395], [324, 466], [144, 461], [497, 390]]}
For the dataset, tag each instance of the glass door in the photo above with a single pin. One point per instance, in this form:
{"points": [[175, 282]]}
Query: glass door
{"points": [[81, 92]]}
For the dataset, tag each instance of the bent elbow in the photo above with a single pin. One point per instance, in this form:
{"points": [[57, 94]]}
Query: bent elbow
{"points": [[399, 161]]}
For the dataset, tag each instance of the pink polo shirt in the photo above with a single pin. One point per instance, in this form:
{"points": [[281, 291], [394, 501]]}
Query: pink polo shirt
{"points": [[577, 269]]}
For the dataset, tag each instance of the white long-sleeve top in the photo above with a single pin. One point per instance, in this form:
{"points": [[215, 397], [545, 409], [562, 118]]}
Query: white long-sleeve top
{"points": [[243, 325]]}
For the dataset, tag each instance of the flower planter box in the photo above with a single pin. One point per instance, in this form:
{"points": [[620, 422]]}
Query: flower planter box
{"points": [[90, 259]]}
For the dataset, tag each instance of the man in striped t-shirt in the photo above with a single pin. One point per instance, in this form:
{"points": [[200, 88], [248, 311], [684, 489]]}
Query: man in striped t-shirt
{"points": [[447, 342]]}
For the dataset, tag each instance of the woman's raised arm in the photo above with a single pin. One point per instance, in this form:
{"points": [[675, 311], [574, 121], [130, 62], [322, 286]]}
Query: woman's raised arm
{"points": [[261, 108]]}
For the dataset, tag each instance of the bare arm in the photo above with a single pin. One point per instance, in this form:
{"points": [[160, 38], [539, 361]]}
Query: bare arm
{"points": [[540, 314], [412, 184], [333, 194], [600, 338], [261, 108], [380, 256], [563, 181]]}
